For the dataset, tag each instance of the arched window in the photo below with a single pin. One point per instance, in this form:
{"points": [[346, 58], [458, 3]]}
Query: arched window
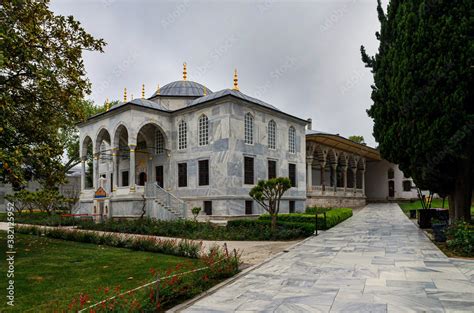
{"points": [[272, 134], [292, 139], [182, 135], [159, 142], [203, 130], [248, 129]]}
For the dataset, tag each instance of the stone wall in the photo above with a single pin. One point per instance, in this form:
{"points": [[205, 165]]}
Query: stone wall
{"points": [[335, 202]]}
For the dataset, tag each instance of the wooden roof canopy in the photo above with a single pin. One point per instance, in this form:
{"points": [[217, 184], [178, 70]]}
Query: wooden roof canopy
{"points": [[344, 144]]}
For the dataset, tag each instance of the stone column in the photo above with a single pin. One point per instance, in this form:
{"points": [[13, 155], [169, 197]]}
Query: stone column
{"points": [[363, 182], [95, 171], [354, 171], [83, 173], [150, 175], [114, 169], [334, 176], [344, 169], [309, 174], [131, 178], [323, 166]]}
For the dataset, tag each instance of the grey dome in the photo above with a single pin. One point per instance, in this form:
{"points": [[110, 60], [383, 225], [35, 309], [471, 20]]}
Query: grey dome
{"points": [[183, 88]]}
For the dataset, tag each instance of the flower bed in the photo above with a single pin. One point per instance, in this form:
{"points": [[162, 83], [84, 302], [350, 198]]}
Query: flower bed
{"points": [[165, 290], [183, 247]]}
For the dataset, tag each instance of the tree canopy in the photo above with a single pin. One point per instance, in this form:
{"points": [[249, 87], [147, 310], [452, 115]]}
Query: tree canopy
{"points": [[423, 96], [42, 79], [268, 194]]}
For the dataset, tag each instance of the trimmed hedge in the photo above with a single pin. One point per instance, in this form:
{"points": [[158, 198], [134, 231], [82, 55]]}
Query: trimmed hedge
{"points": [[284, 229], [195, 230], [314, 209], [333, 217]]}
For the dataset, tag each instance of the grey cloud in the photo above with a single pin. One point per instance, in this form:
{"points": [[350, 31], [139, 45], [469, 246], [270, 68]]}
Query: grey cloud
{"points": [[302, 57]]}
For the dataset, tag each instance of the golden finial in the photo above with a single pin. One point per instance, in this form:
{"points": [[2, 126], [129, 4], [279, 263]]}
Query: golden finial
{"points": [[236, 81], [158, 89], [124, 94], [205, 91], [107, 104], [143, 91], [184, 71]]}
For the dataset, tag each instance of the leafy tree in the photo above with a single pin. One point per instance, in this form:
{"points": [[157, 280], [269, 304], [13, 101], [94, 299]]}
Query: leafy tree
{"points": [[422, 97], [42, 79], [195, 212], [357, 139], [44, 200], [268, 193]]}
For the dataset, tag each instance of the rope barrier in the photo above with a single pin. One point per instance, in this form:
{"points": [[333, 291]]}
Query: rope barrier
{"points": [[150, 283]]}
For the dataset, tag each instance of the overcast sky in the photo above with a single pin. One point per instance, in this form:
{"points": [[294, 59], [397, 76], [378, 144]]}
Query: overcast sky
{"points": [[301, 56]]}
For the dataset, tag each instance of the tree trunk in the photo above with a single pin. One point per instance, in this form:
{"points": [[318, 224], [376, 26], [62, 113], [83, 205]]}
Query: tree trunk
{"points": [[274, 222], [451, 207], [462, 194]]}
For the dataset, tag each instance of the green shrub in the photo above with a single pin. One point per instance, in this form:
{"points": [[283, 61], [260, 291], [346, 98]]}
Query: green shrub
{"points": [[285, 230], [192, 230], [314, 209], [461, 238], [332, 218], [41, 218]]}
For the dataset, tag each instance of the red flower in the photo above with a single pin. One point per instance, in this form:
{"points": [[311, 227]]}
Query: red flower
{"points": [[83, 299]]}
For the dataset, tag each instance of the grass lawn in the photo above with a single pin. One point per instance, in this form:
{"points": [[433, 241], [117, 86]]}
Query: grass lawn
{"points": [[437, 203], [49, 271]]}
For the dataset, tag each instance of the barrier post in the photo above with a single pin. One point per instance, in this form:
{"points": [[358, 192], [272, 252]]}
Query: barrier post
{"points": [[316, 224]]}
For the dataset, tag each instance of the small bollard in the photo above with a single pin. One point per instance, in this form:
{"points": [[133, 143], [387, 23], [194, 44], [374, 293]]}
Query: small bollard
{"points": [[236, 263], [316, 224]]}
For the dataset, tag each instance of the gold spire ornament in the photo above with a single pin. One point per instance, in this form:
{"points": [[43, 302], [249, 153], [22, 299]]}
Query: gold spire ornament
{"points": [[184, 71], [236, 81], [107, 104], [158, 89], [124, 94], [143, 91], [205, 91]]}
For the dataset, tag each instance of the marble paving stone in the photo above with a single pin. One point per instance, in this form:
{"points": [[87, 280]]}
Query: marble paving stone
{"points": [[377, 261], [457, 306], [353, 307]]}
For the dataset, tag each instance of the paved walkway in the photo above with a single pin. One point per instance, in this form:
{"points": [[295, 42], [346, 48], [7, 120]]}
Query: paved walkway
{"points": [[377, 261]]}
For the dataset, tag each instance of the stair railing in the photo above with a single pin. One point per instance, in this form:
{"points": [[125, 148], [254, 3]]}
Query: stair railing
{"points": [[171, 201]]}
